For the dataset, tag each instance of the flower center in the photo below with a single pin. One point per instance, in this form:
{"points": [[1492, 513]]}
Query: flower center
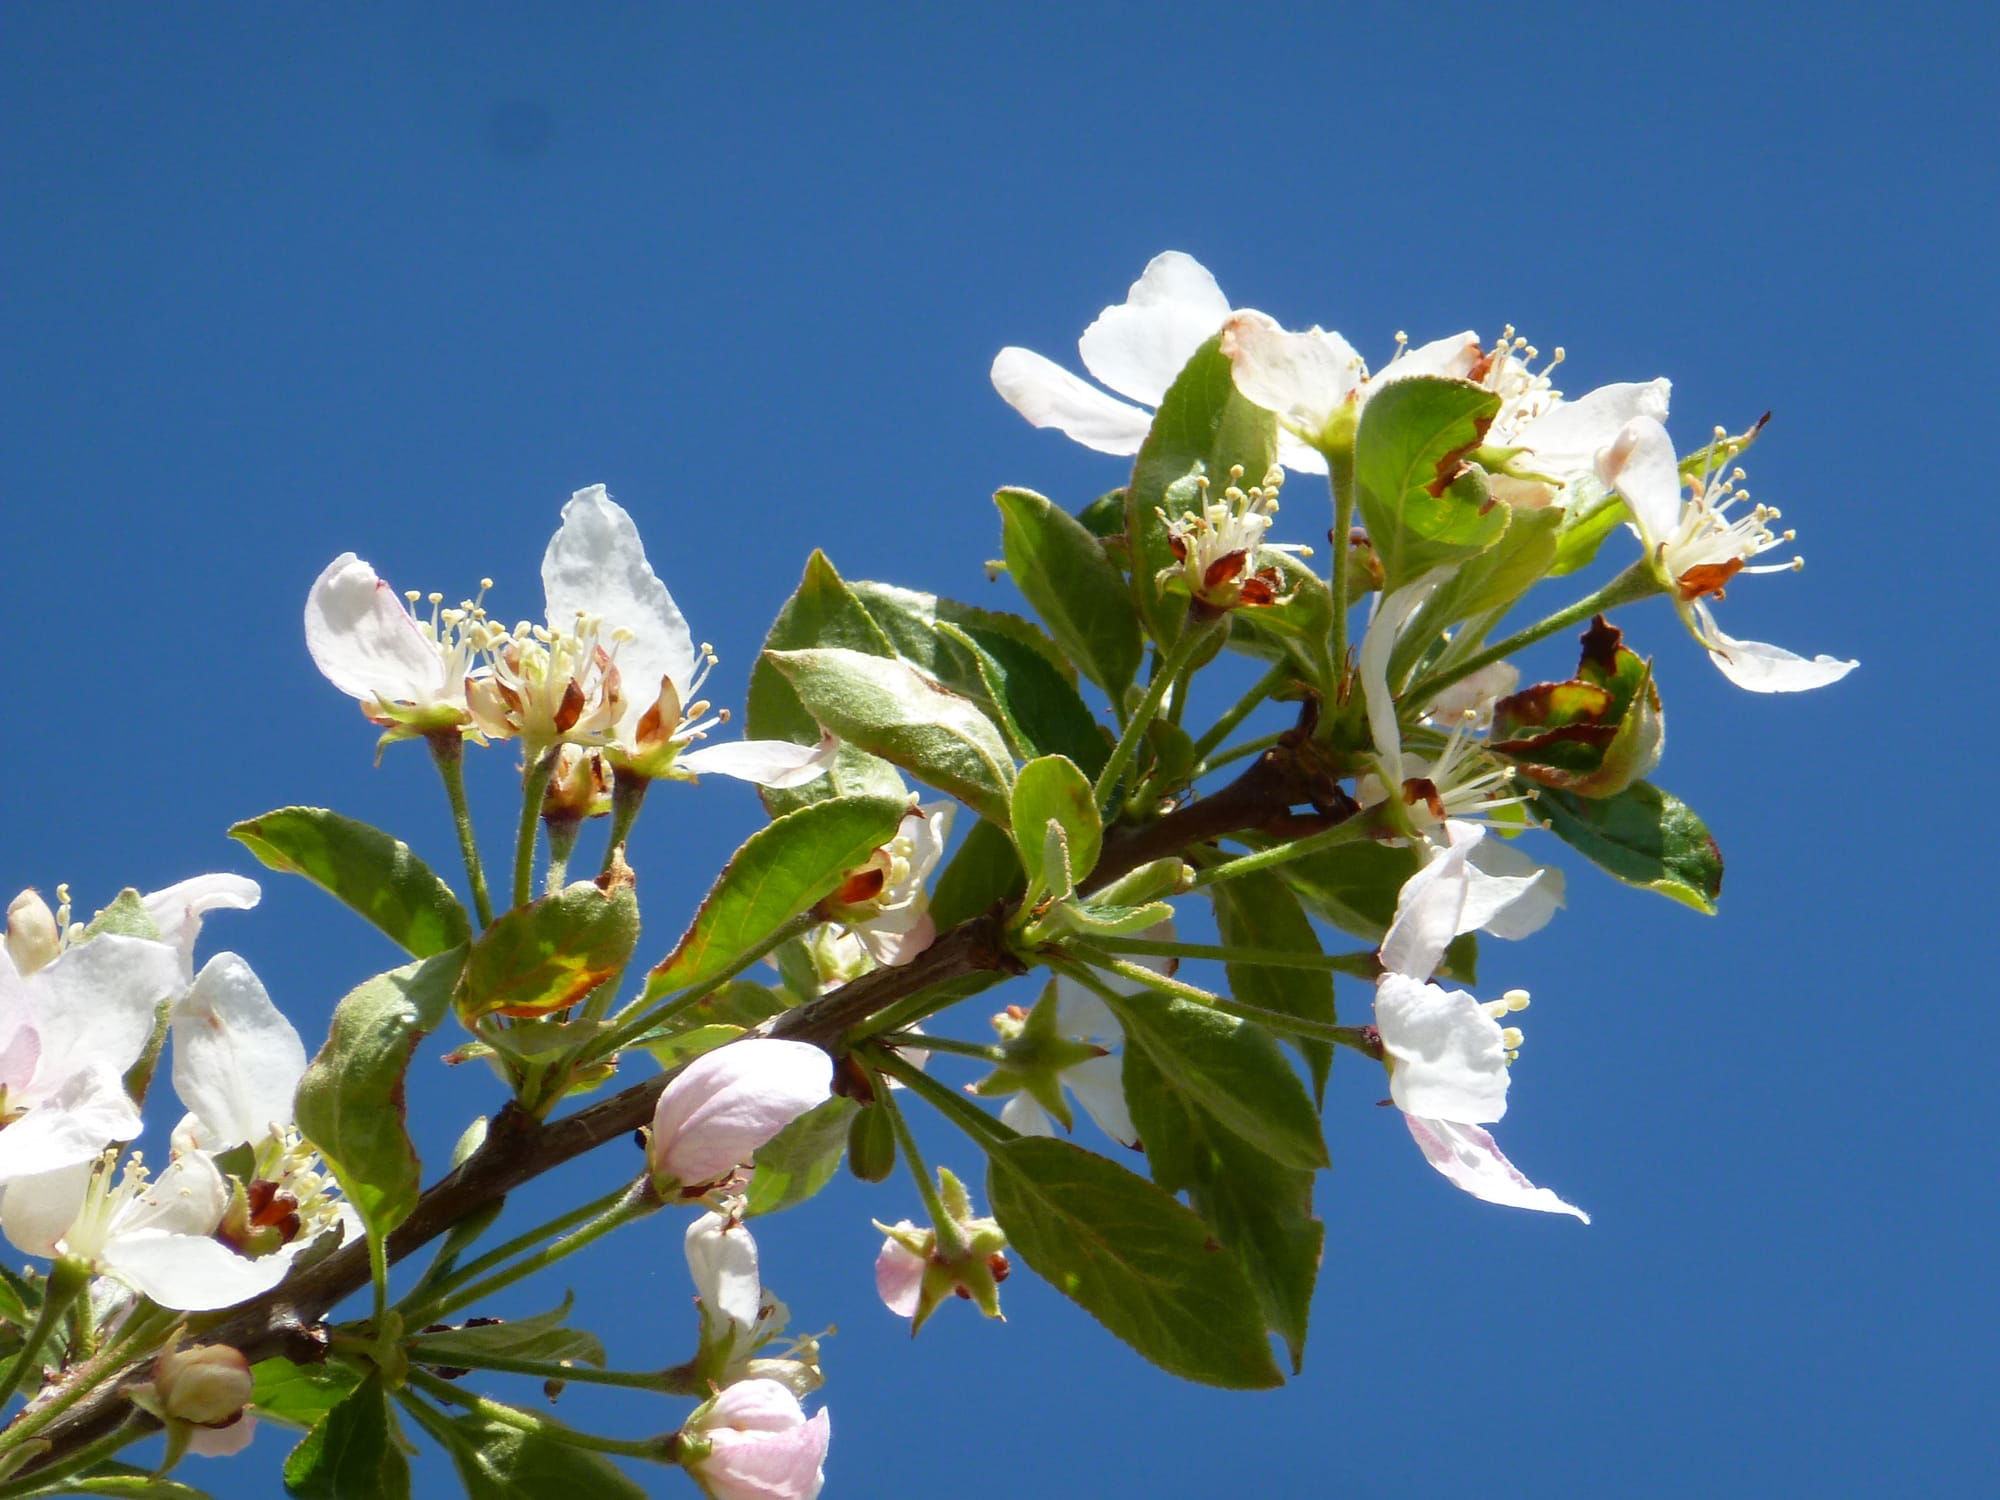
{"points": [[1510, 1036], [1217, 544], [1709, 546]]}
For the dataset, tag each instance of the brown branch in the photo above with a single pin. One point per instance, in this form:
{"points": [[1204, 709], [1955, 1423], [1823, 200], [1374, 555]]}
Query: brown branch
{"points": [[518, 1147]]}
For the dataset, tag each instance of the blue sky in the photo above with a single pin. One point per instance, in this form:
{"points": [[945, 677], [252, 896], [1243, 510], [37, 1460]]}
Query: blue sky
{"points": [[284, 284]]}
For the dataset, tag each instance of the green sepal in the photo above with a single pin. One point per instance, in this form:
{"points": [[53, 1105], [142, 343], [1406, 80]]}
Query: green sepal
{"points": [[126, 916], [364, 868], [871, 1144]]}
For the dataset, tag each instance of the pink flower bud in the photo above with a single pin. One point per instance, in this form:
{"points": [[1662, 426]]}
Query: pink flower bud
{"points": [[208, 1384], [727, 1103], [754, 1442]]}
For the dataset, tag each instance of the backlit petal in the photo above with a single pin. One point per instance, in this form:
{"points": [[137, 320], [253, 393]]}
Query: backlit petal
{"points": [[1049, 396], [1138, 347]]}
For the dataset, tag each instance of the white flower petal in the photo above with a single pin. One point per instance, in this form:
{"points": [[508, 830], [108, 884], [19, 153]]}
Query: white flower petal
{"points": [[1099, 1086], [222, 1442], [1452, 357], [96, 1004], [1640, 465], [363, 640], [1567, 438], [1507, 893], [1448, 1059], [1468, 1156], [726, 1103], [190, 1273], [177, 911], [1023, 1113], [237, 1060], [1139, 347], [1392, 616], [1428, 908], [1303, 377], [70, 1126], [189, 1198], [36, 1212], [772, 763], [722, 1258], [1758, 668], [596, 565], [1049, 396], [1297, 457]]}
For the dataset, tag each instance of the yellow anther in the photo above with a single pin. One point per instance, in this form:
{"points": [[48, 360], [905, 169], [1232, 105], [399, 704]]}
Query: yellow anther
{"points": [[1515, 999], [1511, 1038]]}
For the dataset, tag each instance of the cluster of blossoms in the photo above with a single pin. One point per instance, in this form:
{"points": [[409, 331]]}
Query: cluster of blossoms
{"points": [[613, 673]]}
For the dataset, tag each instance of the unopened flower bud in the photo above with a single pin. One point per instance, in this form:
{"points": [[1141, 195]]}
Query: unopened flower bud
{"points": [[754, 1442], [727, 1103], [207, 1385], [33, 939]]}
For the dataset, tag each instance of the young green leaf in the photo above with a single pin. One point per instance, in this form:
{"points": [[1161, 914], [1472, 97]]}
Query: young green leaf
{"points": [[823, 611], [1644, 836], [1260, 1211], [1259, 911], [498, 1461], [1040, 706], [1233, 1069], [778, 874], [891, 709], [375, 874], [1049, 790], [1201, 420], [1421, 504], [985, 869], [350, 1102], [541, 1337], [351, 1453], [1133, 1258], [299, 1395], [546, 956], [1062, 570], [800, 1159]]}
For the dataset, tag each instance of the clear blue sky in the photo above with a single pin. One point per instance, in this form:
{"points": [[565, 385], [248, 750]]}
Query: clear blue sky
{"points": [[283, 283]]}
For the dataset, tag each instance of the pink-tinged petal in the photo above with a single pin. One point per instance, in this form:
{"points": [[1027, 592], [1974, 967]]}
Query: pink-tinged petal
{"points": [[1452, 358], [774, 763], [1448, 1060], [1303, 377], [70, 1126], [722, 1259], [20, 1043], [1507, 894], [1138, 347], [596, 565], [36, 1212], [222, 1442], [1566, 439], [1428, 908], [899, 1275], [1468, 1156], [1099, 1086], [1049, 396], [764, 1448], [96, 1004], [177, 911], [190, 1273], [363, 640], [1758, 668], [727, 1103], [237, 1060], [1392, 616], [1639, 463], [1474, 694]]}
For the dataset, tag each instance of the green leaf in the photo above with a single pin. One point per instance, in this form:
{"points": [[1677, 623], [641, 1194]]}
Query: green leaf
{"points": [[778, 874], [371, 871], [1063, 572], [1259, 911], [1104, 517], [1039, 706], [985, 869], [1422, 505], [299, 1395], [546, 956], [1201, 420], [1134, 1258], [1589, 516], [351, 1454], [800, 1159], [1052, 790], [1260, 1210], [542, 1337], [823, 611], [1232, 1068], [891, 709], [498, 1461], [910, 619], [350, 1101], [1492, 581], [128, 1482], [1644, 836], [1295, 628]]}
